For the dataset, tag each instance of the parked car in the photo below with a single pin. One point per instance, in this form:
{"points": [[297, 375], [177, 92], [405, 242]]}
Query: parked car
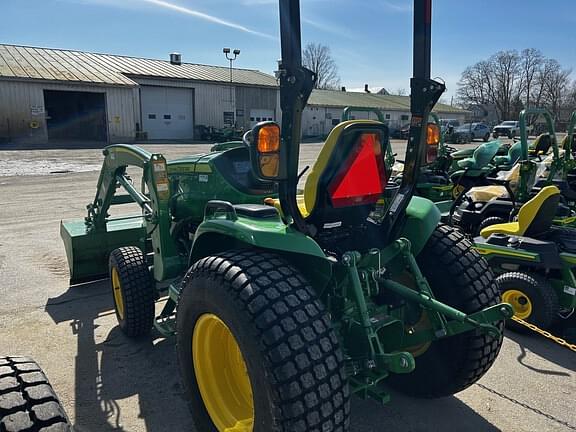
{"points": [[475, 131], [509, 128]]}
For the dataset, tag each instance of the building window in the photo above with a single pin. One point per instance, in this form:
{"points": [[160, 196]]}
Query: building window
{"points": [[335, 122], [152, 116], [167, 117], [387, 116], [404, 117]]}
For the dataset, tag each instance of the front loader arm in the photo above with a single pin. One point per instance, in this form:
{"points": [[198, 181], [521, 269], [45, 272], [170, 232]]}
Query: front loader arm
{"points": [[155, 205]]}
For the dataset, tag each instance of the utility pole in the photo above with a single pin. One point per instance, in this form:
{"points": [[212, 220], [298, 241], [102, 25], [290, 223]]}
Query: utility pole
{"points": [[236, 52]]}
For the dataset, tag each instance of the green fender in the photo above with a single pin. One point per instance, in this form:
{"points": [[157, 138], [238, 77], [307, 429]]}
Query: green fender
{"points": [[422, 218], [219, 235]]}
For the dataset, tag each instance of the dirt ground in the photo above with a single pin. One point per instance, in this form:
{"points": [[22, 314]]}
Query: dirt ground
{"points": [[109, 383]]}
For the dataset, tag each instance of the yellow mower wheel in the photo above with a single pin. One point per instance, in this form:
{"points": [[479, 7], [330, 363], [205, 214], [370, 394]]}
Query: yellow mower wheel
{"points": [[532, 297], [519, 301]]}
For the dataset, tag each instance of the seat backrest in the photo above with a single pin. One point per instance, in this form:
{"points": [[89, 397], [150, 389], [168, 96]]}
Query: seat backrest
{"points": [[535, 216], [484, 153], [541, 144], [514, 153], [349, 175]]}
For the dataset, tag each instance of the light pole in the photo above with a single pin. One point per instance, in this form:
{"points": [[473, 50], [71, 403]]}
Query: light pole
{"points": [[226, 52]]}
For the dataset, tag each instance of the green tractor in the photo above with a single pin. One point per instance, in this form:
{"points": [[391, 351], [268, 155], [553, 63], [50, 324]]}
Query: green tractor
{"points": [[282, 310]]}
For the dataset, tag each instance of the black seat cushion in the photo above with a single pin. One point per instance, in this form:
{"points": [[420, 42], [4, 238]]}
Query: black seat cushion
{"points": [[565, 238], [255, 210]]}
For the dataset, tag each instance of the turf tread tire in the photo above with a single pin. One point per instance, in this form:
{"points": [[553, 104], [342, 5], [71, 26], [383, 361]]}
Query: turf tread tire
{"points": [[452, 364], [492, 220], [298, 350], [28, 402], [544, 299], [137, 291]]}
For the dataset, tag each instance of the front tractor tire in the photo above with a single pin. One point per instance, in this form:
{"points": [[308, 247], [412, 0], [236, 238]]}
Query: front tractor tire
{"points": [[132, 291], [256, 349], [461, 278], [532, 298]]}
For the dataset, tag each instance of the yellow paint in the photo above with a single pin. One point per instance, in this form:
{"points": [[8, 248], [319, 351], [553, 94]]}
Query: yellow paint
{"points": [[519, 301], [487, 251], [526, 215], [222, 375], [117, 290]]}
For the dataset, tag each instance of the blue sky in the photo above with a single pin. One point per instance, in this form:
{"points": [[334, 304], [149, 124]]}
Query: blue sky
{"points": [[370, 39]]}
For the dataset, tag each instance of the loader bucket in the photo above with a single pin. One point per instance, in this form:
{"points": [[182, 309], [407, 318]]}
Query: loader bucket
{"points": [[88, 250]]}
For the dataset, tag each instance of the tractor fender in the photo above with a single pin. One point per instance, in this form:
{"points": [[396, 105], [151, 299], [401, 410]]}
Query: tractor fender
{"points": [[220, 235], [422, 218]]}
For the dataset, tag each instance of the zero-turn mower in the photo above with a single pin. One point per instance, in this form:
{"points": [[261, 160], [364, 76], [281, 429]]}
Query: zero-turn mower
{"points": [[282, 310], [535, 261], [498, 202]]}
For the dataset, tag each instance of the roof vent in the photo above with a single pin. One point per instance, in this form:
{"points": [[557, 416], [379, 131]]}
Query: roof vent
{"points": [[343, 88], [366, 89], [175, 58]]}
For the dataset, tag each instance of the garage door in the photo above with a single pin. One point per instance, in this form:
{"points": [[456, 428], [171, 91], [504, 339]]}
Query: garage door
{"points": [[167, 112], [258, 115]]}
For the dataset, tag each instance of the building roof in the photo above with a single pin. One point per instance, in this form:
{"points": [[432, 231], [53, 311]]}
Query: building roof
{"points": [[340, 99], [23, 62]]}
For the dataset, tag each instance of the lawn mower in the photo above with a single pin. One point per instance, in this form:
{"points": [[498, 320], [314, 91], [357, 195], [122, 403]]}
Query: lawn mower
{"points": [[535, 261], [496, 203], [283, 305]]}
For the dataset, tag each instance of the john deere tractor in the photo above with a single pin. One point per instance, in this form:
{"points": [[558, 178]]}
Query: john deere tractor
{"points": [[284, 305]]}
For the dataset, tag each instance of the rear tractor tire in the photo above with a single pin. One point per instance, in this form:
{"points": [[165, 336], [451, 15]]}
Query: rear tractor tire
{"points": [[461, 278], [532, 297], [27, 400], [256, 349], [132, 291]]}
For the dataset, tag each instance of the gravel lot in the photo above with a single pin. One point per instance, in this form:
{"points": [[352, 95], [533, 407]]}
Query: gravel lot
{"points": [[109, 383]]}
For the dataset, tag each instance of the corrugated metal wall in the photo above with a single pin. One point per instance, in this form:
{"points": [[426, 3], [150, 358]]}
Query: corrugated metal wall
{"points": [[317, 121], [22, 109], [249, 98], [210, 100]]}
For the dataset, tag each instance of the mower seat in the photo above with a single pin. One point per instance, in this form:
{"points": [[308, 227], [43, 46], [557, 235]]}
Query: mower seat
{"points": [[534, 218], [514, 153], [481, 157], [540, 145], [348, 176]]}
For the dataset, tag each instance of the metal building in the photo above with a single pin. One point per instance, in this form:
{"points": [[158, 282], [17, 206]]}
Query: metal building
{"points": [[325, 107], [55, 95]]}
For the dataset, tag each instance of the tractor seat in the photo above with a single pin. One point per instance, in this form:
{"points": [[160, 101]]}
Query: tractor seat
{"points": [[540, 145], [534, 218], [481, 157], [514, 153], [348, 177]]}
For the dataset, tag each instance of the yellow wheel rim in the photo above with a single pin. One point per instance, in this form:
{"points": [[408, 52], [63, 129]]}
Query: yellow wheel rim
{"points": [[117, 290], [457, 190], [222, 375], [519, 301]]}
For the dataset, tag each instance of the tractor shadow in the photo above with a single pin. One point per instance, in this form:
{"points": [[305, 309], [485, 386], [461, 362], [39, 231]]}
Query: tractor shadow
{"points": [[403, 413], [110, 368], [545, 348]]}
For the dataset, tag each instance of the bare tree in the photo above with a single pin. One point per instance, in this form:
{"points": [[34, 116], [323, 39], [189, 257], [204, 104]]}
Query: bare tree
{"points": [[555, 85], [318, 59], [399, 92], [531, 61], [512, 81]]}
